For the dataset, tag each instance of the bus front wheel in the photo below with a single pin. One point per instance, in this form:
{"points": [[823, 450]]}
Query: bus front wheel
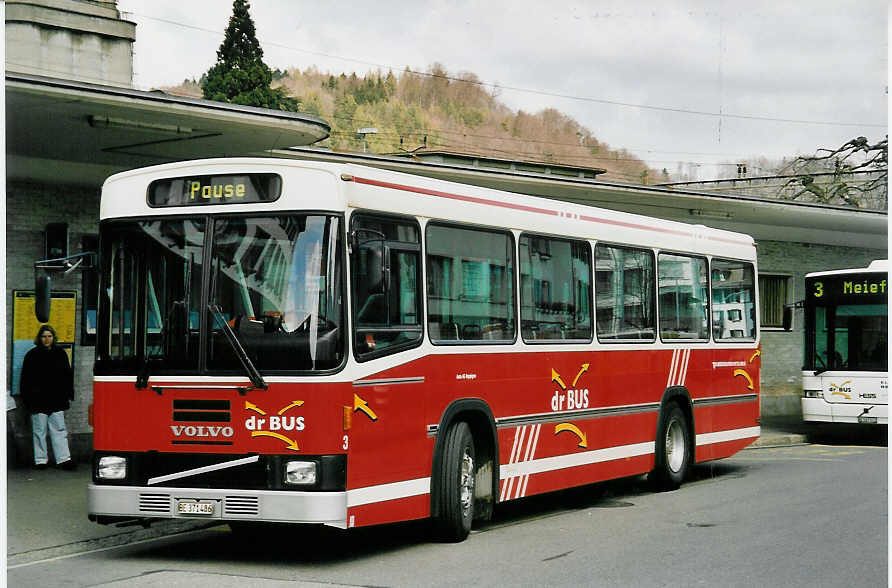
{"points": [[457, 479], [674, 450]]}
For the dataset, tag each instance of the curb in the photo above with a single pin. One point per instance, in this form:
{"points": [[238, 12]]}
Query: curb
{"points": [[779, 441]]}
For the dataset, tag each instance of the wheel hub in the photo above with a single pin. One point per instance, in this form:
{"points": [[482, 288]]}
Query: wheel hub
{"points": [[467, 482], [675, 446]]}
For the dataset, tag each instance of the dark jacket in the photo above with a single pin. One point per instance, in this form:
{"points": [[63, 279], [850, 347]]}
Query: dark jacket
{"points": [[47, 382]]}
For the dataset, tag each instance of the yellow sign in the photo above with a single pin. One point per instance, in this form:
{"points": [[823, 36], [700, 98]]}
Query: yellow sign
{"points": [[62, 316], [63, 305]]}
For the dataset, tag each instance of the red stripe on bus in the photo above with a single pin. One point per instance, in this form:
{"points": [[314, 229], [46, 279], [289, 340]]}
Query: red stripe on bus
{"points": [[473, 199], [616, 223], [545, 211], [732, 241]]}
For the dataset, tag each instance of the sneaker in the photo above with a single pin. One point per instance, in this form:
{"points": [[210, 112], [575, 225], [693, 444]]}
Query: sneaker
{"points": [[68, 464], [40, 466]]}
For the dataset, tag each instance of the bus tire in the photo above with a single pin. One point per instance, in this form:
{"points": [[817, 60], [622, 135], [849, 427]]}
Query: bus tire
{"points": [[674, 450], [457, 479]]}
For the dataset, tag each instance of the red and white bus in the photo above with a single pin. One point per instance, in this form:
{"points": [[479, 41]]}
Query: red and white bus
{"points": [[333, 344]]}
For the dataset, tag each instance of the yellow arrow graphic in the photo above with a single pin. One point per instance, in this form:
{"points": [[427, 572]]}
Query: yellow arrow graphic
{"points": [[579, 375], [556, 377], [755, 355], [254, 407], [745, 375], [291, 443], [360, 404], [292, 405], [573, 429]]}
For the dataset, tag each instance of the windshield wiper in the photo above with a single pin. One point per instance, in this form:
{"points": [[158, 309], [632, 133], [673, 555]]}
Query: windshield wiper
{"points": [[256, 379], [142, 379]]}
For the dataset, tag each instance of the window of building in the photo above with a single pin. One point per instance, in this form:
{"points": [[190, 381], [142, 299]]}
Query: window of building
{"points": [[733, 300], [684, 298], [774, 291], [386, 284], [624, 293], [470, 284], [555, 289]]}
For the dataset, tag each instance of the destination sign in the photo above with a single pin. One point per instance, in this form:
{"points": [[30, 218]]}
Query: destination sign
{"points": [[218, 189], [847, 287]]}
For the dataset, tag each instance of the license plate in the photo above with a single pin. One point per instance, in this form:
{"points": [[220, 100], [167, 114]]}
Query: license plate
{"points": [[188, 507], [867, 420]]}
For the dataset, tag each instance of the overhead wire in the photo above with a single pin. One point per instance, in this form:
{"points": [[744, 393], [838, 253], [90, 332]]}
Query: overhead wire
{"points": [[673, 109], [496, 86]]}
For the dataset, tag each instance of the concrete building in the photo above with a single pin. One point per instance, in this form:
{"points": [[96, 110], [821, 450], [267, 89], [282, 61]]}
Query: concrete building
{"points": [[72, 121], [86, 41]]}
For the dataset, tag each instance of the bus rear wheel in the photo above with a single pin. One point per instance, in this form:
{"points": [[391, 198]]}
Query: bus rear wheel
{"points": [[457, 479], [674, 450]]}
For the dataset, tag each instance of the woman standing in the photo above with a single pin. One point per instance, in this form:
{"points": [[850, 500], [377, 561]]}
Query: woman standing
{"points": [[47, 387]]}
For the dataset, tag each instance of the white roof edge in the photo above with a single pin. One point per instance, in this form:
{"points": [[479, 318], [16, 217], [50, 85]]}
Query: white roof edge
{"points": [[875, 266]]}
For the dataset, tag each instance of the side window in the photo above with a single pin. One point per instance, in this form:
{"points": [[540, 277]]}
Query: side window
{"points": [[684, 298], [386, 276], [555, 289], [774, 292], [733, 301], [624, 293], [470, 285]]}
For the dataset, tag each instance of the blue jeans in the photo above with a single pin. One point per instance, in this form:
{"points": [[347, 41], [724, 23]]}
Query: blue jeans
{"points": [[58, 436]]}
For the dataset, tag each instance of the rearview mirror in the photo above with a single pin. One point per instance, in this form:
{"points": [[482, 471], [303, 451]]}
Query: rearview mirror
{"points": [[788, 318], [42, 295]]}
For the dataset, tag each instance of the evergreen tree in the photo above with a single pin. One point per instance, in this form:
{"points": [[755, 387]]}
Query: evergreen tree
{"points": [[240, 76]]}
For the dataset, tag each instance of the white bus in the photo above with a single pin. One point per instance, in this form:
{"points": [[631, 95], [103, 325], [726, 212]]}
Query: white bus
{"points": [[846, 371]]}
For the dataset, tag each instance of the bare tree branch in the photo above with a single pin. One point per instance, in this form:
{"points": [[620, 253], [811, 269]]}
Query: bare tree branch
{"points": [[868, 189]]}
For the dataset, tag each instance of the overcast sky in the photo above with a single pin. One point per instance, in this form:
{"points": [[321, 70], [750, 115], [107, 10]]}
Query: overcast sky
{"points": [[651, 77]]}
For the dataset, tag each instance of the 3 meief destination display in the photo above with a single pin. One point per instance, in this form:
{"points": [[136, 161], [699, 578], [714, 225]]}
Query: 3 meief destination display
{"points": [[847, 288]]}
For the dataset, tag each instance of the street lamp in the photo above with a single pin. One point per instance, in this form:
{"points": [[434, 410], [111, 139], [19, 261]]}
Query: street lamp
{"points": [[361, 133]]}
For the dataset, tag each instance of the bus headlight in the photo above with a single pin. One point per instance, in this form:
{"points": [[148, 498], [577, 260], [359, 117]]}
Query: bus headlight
{"points": [[813, 393], [300, 472], [111, 467]]}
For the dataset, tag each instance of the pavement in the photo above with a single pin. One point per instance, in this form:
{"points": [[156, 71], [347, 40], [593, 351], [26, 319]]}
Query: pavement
{"points": [[47, 509]]}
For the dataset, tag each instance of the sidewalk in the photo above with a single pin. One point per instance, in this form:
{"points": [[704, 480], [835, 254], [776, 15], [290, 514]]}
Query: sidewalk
{"points": [[47, 517], [781, 431], [47, 510]]}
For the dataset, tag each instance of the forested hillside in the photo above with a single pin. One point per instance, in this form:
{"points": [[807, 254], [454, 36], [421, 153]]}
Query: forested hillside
{"points": [[439, 111]]}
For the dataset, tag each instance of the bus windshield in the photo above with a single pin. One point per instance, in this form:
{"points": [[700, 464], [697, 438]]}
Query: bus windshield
{"points": [[850, 337], [167, 283], [846, 323]]}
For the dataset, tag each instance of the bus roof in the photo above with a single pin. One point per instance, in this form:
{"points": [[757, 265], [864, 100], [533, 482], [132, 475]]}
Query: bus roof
{"points": [[876, 266], [337, 187]]}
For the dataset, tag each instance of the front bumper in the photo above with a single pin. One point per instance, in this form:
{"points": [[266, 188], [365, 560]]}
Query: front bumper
{"points": [[819, 410], [144, 502]]}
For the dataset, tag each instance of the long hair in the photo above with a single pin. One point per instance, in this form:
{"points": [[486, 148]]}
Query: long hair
{"points": [[43, 329]]}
